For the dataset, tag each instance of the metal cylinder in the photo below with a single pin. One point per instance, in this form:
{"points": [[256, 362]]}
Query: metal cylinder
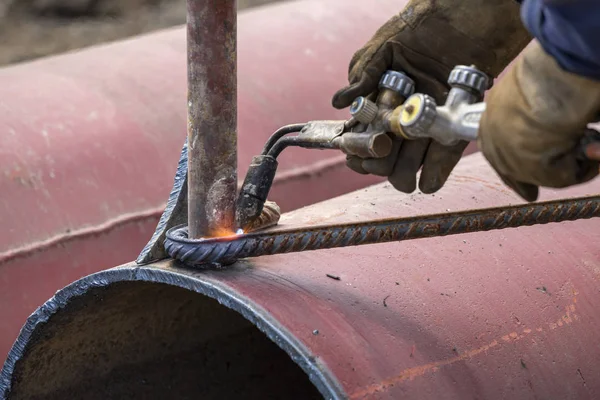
{"points": [[366, 145], [490, 315], [212, 116]]}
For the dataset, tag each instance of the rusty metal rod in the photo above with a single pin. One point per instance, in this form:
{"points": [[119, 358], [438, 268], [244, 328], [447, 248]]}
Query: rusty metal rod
{"points": [[212, 116], [228, 250]]}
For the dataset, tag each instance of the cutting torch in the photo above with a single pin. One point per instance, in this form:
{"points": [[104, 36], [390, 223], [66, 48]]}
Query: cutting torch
{"points": [[374, 123], [396, 111]]}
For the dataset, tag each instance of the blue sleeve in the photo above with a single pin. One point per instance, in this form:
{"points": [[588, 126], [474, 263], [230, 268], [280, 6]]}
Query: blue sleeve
{"points": [[569, 30]]}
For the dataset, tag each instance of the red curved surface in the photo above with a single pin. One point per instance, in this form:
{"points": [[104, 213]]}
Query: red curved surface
{"points": [[491, 315], [505, 314], [91, 139]]}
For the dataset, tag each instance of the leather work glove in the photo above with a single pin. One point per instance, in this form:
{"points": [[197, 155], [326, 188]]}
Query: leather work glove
{"points": [[426, 41], [534, 120]]}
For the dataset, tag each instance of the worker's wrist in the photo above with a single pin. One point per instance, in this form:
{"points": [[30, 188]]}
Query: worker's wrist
{"points": [[568, 31]]}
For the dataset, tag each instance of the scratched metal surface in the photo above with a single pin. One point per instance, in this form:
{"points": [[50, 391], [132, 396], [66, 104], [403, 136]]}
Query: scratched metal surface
{"points": [[494, 315]]}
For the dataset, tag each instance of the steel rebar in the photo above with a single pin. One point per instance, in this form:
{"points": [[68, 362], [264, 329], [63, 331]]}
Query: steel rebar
{"points": [[212, 116], [227, 250]]}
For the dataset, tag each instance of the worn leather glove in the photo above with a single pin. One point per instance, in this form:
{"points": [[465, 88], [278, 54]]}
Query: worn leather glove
{"points": [[426, 41], [534, 120]]}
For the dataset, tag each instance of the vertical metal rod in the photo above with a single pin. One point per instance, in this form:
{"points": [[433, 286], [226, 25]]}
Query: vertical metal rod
{"points": [[212, 116]]}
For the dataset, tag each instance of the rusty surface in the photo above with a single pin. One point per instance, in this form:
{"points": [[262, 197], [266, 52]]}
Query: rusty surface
{"points": [[212, 116], [488, 315], [279, 241]]}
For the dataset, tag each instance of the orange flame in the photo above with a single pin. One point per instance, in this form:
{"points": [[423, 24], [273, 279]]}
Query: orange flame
{"points": [[225, 233]]}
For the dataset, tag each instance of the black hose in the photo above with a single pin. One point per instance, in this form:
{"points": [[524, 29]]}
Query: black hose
{"points": [[279, 133], [282, 144]]}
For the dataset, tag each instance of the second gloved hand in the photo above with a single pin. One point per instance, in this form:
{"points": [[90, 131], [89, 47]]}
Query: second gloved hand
{"points": [[534, 120], [426, 41]]}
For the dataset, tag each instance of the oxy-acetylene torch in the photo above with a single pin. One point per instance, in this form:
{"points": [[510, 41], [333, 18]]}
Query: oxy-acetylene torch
{"points": [[398, 111]]}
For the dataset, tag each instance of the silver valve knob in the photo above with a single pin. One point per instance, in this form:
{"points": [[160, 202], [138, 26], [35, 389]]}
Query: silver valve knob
{"points": [[469, 78], [364, 110], [398, 82]]}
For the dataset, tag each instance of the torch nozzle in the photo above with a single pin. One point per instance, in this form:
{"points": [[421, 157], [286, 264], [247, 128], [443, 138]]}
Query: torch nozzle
{"points": [[255, 190]]}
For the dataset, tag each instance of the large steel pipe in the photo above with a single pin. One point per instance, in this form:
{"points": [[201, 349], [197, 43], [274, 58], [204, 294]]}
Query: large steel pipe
{"points": [[492, 315], [90, 140]]}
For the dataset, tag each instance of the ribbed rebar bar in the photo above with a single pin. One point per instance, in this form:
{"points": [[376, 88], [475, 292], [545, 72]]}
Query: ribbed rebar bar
{"points": [[228, 250]]}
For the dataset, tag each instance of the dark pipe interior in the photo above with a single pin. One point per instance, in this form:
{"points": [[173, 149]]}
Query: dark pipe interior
{"points": [[139, 340]]}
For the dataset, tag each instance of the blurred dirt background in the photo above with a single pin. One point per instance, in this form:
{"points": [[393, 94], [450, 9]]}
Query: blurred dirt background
{"points": [[31, 29]]}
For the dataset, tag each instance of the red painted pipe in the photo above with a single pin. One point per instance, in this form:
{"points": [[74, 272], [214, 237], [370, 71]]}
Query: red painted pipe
{"points": [[491, 315], [91, 139]]}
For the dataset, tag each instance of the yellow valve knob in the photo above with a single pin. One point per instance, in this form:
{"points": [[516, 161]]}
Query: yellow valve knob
{"points": [[411, 110], [417, 115]]}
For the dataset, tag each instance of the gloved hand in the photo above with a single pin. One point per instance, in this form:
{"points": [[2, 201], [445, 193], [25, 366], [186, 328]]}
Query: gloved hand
{"points": [[534, 119], [426, 40]]}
